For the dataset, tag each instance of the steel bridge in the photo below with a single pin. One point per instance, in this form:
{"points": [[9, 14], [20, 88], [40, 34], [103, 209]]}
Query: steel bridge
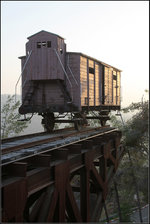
{"points": [[59, 177]]}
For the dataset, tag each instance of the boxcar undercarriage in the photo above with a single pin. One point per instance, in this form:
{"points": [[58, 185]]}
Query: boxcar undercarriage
{"points": [[78, 118]]}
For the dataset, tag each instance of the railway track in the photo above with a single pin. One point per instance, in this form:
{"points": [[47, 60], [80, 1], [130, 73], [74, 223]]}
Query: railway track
{"points": [[27, 141], [41, 174], [28, 136], [22, 147]]}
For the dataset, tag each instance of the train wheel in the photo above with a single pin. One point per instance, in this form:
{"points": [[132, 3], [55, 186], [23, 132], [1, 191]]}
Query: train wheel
{"points": [[48, 121]]}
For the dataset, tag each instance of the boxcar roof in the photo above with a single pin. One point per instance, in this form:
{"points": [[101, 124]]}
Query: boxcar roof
{"points": [[43, 31], [84, 55], [22, 57]]}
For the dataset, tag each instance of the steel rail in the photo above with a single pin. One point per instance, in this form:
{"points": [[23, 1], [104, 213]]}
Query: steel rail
{"points": [[64, 144], [16, 138], [43, 141]]}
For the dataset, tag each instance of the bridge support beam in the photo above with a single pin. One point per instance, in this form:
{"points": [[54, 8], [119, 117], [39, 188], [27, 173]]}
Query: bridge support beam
{"points": [[69, 184]]}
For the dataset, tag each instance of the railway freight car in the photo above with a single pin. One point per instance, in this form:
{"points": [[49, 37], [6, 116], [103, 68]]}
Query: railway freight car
{"points": [[55, 81]]}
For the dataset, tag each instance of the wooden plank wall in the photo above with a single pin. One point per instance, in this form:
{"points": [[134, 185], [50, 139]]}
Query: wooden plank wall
{"points": [[106, 86], [118, 89], [97, 85], [73, 61], [83, 81], [110, 87], [44, 64], [48, 94], [114, 88], [90, 82]]}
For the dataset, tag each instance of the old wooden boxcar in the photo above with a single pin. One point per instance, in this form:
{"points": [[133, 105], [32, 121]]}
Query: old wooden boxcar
{"points": [[54, 80]]}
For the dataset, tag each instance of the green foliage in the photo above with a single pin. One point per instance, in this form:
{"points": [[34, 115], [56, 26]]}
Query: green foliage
{"points": [[116, 123], [126, 209], [136, 129], [10, 126], [135, 139]]}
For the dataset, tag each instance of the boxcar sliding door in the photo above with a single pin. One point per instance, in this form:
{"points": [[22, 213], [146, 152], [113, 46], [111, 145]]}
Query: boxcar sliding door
{"points": [[106, 85], [83, 81]]}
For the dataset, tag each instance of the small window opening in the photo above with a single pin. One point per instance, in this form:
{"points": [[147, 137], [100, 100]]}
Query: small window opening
{"points": [[38, 44], [43, 43], [114, 77], [48, 43], [61, 50], [91, 70]]}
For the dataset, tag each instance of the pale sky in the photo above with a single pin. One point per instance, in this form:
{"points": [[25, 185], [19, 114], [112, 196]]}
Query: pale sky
{"points": [[115, 32]]}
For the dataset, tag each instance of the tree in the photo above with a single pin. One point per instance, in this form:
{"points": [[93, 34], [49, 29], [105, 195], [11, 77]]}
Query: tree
{"points": [[135, 130], [135, 161], [10, 126]]}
